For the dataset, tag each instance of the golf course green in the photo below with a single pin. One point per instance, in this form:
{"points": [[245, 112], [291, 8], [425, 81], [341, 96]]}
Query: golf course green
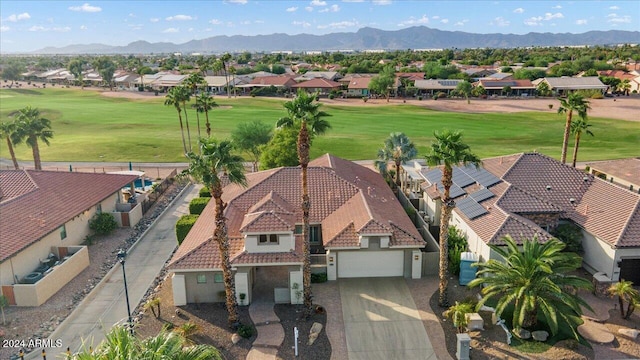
{"points": [[92, 127]]}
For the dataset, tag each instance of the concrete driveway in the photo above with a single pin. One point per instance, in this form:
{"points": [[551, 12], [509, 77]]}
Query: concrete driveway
{"points": [[381, 320]]}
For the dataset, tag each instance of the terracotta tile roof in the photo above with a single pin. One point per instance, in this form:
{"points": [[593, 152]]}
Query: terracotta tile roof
{"points": [[35, 203], [519, 228], [360, 83], [267, 221], [318, 83], [343, 195], [519, 201], [285, 81], [624, 169], [245, 258]]}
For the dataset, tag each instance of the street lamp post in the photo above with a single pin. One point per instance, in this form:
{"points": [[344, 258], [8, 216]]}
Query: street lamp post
{"points": [[122, 254]]}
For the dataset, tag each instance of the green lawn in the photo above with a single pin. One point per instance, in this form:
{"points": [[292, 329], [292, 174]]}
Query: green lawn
{"points": [[90, 127]]}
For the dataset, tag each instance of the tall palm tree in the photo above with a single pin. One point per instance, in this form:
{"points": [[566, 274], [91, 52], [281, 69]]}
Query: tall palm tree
{"points": [[120, 344], [573, 102], [185, 95], [577, 127], [397, 148], [194, 81], [31, 127], [173, 98], [216, 159], [224, 59], [448, 150], [6, 130], [534, 281], [304, 112], [625, 292], [204, 103]]}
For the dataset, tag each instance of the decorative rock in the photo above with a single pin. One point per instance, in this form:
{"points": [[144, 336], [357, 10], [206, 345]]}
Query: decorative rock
{"points": [[316, 328], [632, 333], [540, 335], [522, 333], [235, 338], [596, 332]]}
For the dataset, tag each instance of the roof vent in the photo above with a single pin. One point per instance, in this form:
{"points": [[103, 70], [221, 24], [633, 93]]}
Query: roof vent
{"points": [[572, 200], [585, 179], [548, 187]]}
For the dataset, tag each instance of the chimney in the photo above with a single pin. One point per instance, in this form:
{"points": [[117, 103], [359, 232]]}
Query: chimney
{"points": [[369, 190]]}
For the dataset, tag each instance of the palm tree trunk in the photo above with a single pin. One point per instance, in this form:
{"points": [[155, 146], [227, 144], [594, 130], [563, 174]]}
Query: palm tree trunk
{"points": [[443, 273], [198, 123], [303, 155], [621, 303], [565, 140], [12, 153], [186, 120], [221, 238], [36, 154], [575, 148], [398, 169], [630, 308], [208, 125], [184, 144]]}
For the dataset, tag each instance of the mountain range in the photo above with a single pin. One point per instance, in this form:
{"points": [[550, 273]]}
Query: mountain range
{"points": [[417, 37]]}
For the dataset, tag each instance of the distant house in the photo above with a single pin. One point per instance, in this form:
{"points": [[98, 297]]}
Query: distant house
{"points": [[530, 194], [432, 86], [359, 86], [44, 218], [625, 172], [161, 81], [309, 75], [125, 81], [499, 76], [479, 72], [564, 85], [320, 85], [218, 84], [496, 87], [284, 82], [358, 229]]}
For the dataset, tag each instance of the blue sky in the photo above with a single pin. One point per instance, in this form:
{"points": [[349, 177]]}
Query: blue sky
{"points": [[32, 25]]}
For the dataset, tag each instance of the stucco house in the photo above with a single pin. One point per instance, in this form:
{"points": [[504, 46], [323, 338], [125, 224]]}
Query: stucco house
{"points": [[528, 195], [564, 85], [320, 85], [44, 218], [358, 229]]}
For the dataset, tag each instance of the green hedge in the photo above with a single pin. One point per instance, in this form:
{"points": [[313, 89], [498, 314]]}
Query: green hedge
{"points": [[103, 223], [184, 225], [204, 192], [197, 205]]}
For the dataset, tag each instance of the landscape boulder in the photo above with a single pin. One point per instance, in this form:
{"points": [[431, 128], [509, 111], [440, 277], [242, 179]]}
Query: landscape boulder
{"points": [[540, 335], [631, 333], [316, 328], [235, 338], [522, 333]]}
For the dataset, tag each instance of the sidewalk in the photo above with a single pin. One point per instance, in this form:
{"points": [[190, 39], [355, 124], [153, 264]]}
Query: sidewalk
{"points": [[106, 304]]}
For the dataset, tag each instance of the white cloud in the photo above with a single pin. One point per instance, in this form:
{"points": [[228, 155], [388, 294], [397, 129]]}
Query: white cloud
{"points": [[352, 1], [557, 7], [259, 22], [339, 25], [132, 15], [518, 10], [246, 22], [332, 8], [444, 21], [190, 29], [382, 2], [85, 8], [461, 23], [581, 22], [534, 21], [15, 18], [309, 8], [435, 17], [171, 30], [413, 21], [241, 2], [615, 19], [37, 28], [550, 16], [292, 9], [135, 27], [179, 18], [500, 21], [4, 28], [215, 22], [61, 29], [304, 24], [614, 7], [154, 19], [318, 3], [83, 27]]}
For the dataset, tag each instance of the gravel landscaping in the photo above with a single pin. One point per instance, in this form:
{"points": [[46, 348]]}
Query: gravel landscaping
{"points": [[290, 317]]}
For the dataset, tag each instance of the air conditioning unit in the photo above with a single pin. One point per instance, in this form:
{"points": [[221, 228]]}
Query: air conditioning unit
{"points": [[428, 218], [421, 212]]}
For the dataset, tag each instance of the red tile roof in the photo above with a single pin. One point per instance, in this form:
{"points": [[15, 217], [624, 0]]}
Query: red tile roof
{"points": [[360, 83], [318, 83], [285, 81], [35, 203], [346, 198], [622, 169]]}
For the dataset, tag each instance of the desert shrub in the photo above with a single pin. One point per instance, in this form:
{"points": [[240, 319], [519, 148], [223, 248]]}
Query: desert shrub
{"points": [[457, 245], [197, 205], [318, 278], [204, 192], [331, 96], [103, 223], [419, 98], [441, 95], [246, 331], [265, 91], [571, 235], [184, 225]]}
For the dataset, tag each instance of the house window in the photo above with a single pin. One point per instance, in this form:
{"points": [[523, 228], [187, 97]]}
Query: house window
{"points": [[99, 209], [315, 234], [218, 278], [298, 230], [271, 239], [63, 232], [202, 279]]}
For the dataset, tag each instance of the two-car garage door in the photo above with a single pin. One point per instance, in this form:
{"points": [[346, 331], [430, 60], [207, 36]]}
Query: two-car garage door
{"points": [[361, 263]]}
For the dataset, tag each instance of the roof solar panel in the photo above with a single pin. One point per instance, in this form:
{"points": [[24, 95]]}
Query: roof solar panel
{"points": [[434, 175], [470, 208], [454, 192], [460, 178], [481, 176], [481, 195]]}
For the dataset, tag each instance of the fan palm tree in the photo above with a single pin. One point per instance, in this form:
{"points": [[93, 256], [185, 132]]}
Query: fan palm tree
{"points": [[215, 158], [458, 314], [120, 344], [6, 130], [625, 292], [534, 281], [397, 148], [304, 112], [573, 103], [192, 83], [577, 128], [185, 95], [624, 87], [174, 98], [31, 127], [448, 150], [224, 59], [204, 103]]}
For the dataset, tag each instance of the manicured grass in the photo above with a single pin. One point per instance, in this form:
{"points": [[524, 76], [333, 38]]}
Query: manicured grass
{"points": [[91, 127]]}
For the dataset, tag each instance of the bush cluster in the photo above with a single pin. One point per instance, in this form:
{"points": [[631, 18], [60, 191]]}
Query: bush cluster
{"points": [[197, 205], [318, 278], [103, 223], [246, 331], [184, 225], [457, 245], [204, 192]]}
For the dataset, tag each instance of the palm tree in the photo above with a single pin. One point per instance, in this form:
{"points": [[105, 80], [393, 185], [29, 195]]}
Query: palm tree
{"points": [[185, 95], [31, 127], [625, 292], [624, 87], [397, 148], [6, 130], [577, 127], [204, 103], [458, 314], [573, 102], [192, 83], [120, 344], [534, 281], [224, 59], [304, 112], [207, 167], [448, 150], [173, 98]]}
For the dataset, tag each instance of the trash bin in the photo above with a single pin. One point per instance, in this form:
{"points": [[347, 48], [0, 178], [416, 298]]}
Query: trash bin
{"points": [[467, 272]]}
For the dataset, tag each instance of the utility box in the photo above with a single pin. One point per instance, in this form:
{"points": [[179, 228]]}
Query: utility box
{"points": [[467, 272], [463, 346]]}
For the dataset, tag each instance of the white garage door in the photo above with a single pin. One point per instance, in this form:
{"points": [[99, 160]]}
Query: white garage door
{"points": [[370, 263]]}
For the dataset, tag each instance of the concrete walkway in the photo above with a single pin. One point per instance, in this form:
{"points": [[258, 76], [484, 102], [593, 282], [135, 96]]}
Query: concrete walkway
{"points": [[106, 304], [267, 323]]}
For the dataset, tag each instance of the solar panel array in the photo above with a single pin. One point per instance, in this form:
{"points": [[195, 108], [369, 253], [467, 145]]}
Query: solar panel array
{"points": [[454, 192], [460, 178], [448, 82], [481, 195], [482, 176], [470, 208]]}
